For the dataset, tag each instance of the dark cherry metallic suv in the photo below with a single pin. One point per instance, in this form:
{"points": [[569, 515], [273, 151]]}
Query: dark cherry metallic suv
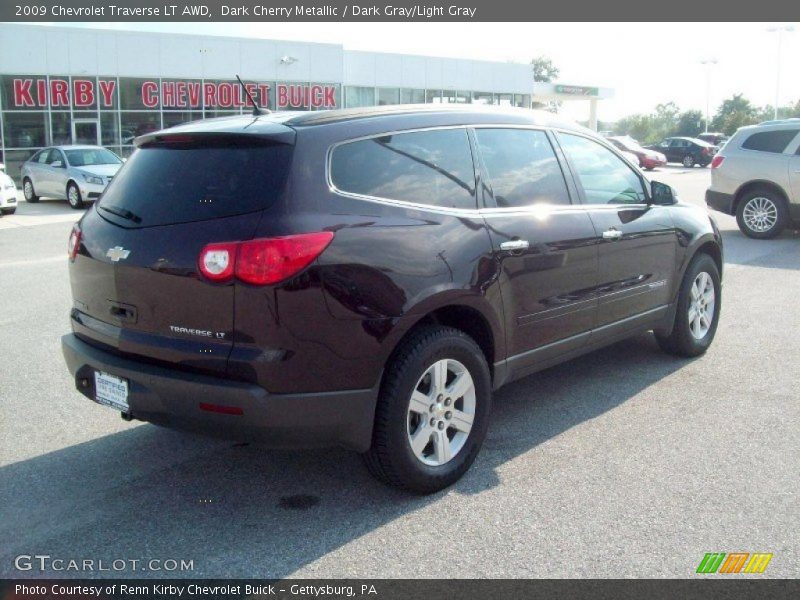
{"points": [[367, 277]]}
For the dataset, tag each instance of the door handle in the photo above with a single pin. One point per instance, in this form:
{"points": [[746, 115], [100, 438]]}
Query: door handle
{"points": [[513, 245], [612, 234]]}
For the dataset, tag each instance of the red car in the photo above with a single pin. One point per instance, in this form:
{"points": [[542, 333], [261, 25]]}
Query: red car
{"points": [[648, 159]]}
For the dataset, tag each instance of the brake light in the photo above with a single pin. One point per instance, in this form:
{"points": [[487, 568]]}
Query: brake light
{"points": [[705, 151], [264, 261], [717, 161], [74, 242]]}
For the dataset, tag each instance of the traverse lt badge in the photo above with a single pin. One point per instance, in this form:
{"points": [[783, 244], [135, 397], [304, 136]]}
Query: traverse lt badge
{"points": [[117, 253]]}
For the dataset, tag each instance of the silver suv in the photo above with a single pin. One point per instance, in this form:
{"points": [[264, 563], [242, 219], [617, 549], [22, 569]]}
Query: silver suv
{"points": [[756, 176]]}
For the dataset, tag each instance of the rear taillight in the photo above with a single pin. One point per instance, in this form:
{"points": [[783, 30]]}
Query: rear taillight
{"points": [[263, 261], [705, 152], [717, 161], [74, 242]]}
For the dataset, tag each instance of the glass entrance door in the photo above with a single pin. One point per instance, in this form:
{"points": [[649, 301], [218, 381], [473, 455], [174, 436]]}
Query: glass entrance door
{"points": [[86, 131]]}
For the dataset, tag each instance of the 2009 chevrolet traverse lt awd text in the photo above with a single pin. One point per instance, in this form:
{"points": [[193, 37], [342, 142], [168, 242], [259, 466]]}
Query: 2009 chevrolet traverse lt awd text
{"points": [[367, 277]]}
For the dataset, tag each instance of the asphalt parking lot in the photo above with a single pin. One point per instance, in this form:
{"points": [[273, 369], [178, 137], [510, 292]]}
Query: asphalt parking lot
{"points": [[623, 463]]}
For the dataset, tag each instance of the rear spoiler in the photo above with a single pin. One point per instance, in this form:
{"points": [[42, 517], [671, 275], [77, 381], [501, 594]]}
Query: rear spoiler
{"points": [[222, 130]]}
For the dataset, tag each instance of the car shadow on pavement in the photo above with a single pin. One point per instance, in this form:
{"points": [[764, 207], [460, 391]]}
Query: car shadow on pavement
{"points": [[782, 252], [240, 510]]}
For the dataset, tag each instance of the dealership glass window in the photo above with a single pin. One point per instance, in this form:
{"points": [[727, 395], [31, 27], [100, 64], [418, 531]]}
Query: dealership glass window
{"points": [[412, 96], [505, 99], [483, 98], [109, 128], [60, 128], [13, 160], [173, 118], [134, 124], [425, 167], [522, 167], [463, 97], [25, 129], [388, 96], [359, 96], [130, 93], [433, 96]]}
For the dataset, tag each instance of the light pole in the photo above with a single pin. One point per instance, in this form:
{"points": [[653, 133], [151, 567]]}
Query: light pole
{"points": [[708, 62], [779, 29]]}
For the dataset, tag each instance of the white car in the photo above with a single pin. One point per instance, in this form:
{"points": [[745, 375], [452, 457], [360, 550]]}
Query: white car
{"points": [[8, 193], [74, 173]]}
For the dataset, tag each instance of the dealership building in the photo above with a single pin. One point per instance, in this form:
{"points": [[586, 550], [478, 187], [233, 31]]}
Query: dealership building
{"points": [[62, 85]]}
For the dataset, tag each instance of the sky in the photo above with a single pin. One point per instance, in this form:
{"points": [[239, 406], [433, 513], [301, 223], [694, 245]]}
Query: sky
{"points": [[645, 63]]}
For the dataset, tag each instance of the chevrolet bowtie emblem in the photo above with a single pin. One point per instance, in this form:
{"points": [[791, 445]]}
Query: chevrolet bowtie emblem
{"points": [[117, 253]]}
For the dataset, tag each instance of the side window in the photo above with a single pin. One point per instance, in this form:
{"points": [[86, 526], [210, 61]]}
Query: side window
{"points": [[425, 167], [43, 157], [54, 156], [605, 178], [770, 141], [522, 167]]}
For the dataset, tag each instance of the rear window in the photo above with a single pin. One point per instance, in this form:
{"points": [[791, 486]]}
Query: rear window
{"points": [[179, 183], [425, 167], [770, 141]]}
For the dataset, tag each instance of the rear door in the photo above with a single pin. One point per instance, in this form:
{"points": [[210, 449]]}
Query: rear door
{"points": [[543, 243], [37, 167], [135, 281], [637, 240]]}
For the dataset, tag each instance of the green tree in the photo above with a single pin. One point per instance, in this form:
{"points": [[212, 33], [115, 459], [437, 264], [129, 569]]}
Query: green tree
{"points": [[737, 111], [544, 69], [689, 123]]}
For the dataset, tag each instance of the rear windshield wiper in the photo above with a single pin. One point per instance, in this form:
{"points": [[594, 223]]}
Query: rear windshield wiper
{"points": [[121, 212]]}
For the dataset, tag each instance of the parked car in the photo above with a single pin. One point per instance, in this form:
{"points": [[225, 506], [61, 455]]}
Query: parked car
{"points": [[367, 277], [687, 151], [647, 159], [756, 177], [74, 173], [714, 138], [8, 193]]}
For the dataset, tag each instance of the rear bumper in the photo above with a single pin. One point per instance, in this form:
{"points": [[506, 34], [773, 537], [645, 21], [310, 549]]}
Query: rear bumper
{"points": [[720, 201], [172, 398]]}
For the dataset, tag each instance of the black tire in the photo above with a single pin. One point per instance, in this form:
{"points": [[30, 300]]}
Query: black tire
{"points": [[28, 191], [649, 168], [781, 213], [681, 341], [76, 200], [688, 161], [391, 458], [9, 211]]}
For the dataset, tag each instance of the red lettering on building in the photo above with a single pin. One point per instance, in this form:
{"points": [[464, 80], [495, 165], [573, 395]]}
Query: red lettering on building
{"points": [[22, 92], [107, 91], [82, 93], [209, 95], [150, 94], [59, 92], [194, 94]]}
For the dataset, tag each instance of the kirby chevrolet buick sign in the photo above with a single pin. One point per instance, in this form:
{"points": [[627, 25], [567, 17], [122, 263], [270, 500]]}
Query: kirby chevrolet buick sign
{"points": [[55, 93]]}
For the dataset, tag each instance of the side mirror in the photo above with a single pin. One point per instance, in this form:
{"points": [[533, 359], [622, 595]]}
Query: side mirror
{"points": [[56, 164], [661, 193], [124, 160], [2, 168]]}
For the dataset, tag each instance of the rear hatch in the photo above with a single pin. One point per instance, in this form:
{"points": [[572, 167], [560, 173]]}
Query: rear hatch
{"points": [[135, 280]]}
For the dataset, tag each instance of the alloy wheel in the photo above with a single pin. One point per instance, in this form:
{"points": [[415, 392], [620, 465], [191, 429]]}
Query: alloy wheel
{"points": [[27, 189], [760, 214], [701, 305], [441, 412], [72, 195], [688, 161]]}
